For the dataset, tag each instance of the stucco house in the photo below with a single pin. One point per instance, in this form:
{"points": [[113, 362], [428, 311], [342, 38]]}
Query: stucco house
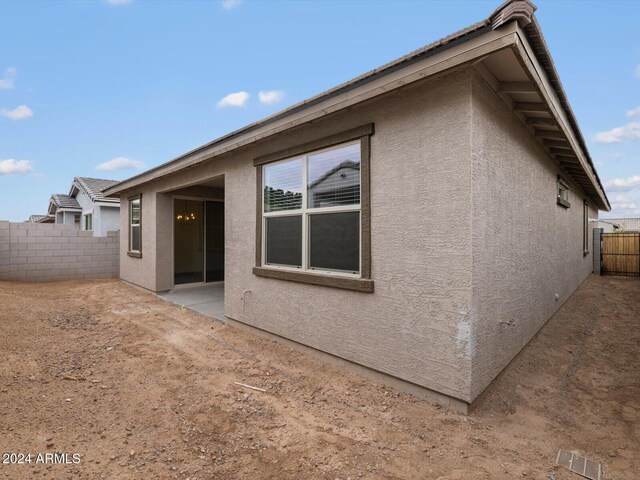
{"points": [[86, 208], [420, 222]]}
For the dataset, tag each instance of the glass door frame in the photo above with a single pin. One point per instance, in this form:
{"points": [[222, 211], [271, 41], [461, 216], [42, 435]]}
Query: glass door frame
{"points": [[204, 201]]}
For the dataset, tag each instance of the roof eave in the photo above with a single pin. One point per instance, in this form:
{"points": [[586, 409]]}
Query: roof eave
{"points": [[536, 41], [336, 99], [509, 18]]}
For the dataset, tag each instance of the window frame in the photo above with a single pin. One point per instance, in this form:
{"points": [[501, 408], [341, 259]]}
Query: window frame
{"points": [[130, 252], [562, 184], [585, 228], [88, 217], [360, 281], [305, 212]]}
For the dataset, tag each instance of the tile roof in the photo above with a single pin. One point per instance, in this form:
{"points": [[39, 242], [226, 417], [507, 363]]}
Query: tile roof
{"points": [[521, 11], [414, 56], [36, 218], [629, 224], [61, 200], [93, 187]]}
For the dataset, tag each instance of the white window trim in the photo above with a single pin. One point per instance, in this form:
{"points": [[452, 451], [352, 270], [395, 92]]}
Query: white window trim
{"points": [[88, 214], [305, 212]]}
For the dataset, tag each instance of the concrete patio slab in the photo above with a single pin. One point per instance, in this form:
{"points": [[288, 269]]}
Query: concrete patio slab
{"points": [[206, 299]]}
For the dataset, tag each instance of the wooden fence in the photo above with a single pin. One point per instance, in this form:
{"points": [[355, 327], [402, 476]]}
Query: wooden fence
{"points": [[620, 254]]}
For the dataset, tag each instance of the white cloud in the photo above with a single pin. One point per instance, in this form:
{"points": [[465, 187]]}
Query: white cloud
{"points": [[117, 2], [6, 82], [637, 71], [120, 163], [15, 167], [630, 131], [238, 99], [624, 205], [270, 97], [230, 4], [633, 113], [622, 184], [19, 113]]}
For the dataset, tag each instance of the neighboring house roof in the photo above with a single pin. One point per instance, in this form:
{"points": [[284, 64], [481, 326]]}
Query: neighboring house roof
{"points": [[350, 164], [520, 11], [62, 201], [36, 218], [93, 188], [627, 224]]}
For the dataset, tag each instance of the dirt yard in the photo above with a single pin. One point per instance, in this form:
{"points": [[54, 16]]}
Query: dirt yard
{"points": [[142, 389]]}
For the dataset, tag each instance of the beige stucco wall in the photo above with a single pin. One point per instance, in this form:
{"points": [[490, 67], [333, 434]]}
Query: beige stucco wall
{"points": [[139, 271], [421, 241], [154, 270], [526, 248], [468, 244]]}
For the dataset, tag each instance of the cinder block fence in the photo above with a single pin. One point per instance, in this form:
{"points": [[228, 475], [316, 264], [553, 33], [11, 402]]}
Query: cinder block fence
{"points": [[45, 252]]}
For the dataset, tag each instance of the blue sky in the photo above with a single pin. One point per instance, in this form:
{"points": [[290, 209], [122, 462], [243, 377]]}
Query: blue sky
{"points": [[108, 88]]}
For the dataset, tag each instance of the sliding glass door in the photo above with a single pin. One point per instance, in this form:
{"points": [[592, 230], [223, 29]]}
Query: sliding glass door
{"points": [[188, 241], [214, 239], [198, 239]]}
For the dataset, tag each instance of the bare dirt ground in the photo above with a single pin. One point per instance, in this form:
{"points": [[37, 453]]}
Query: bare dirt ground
{"points": [[141, 389]]}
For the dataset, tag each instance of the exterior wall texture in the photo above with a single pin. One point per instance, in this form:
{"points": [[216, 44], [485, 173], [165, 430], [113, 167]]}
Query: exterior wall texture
{"points": [[70, 218], [44, 252], [454, 300], [526, 248], [140, 271], [420, 179], [105, 219]]}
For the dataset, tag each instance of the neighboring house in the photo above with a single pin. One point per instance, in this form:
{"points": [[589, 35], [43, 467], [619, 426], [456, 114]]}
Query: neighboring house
{"points": [[65, 209], [612, 225], [86, 208], [41, 219], [423, 220]]}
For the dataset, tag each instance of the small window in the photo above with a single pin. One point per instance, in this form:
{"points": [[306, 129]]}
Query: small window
{"points": [[88, 222], [563, 193], [135, 226], [312, 211], [585, 229]]}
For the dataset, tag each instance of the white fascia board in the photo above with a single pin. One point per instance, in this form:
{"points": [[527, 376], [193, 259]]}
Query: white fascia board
{"points": [[464, 52]]}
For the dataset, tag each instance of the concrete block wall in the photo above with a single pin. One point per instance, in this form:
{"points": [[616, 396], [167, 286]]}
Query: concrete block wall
{"points": [[46, 252]]}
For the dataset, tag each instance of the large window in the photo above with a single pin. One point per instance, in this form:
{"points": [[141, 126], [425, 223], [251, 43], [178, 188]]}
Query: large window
{"points": [[312, 211], [135, 226]]}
